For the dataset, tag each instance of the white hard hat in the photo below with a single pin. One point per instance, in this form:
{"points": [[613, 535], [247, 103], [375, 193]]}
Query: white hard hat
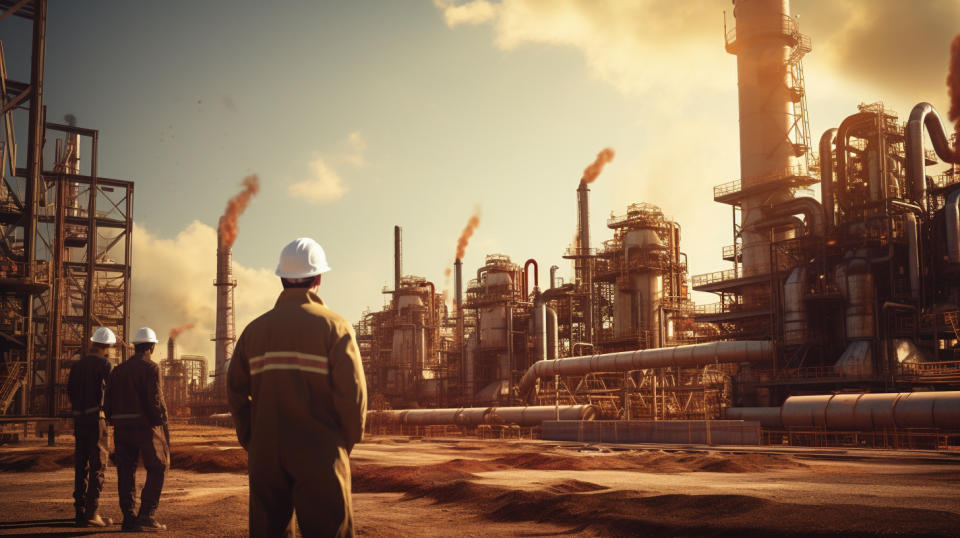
{"points": [[302, 258], [104, 335], [145, 335]]}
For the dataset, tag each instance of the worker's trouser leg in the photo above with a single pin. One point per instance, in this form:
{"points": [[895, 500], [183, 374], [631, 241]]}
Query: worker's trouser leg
{"points": [[90, 459], [151, 446], [313, 479], [271, 502]]}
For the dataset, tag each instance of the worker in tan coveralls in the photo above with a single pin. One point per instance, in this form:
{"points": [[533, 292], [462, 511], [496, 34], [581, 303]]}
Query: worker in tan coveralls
{"points": [[298, 396]]}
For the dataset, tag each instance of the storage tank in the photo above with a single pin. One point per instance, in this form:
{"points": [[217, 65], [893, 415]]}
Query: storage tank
{"points": [[637, 301]]}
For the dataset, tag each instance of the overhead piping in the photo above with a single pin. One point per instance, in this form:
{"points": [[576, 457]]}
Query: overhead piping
{"points": [[826, 177], [923, 116]]}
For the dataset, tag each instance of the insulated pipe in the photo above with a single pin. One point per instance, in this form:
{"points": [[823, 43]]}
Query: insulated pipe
{"points": [[924, 115], [867, 412], [913, 255], [552, 333], [690, 356], [811, 210], [553, 276], [952, 222], [525, 416], [843, 134], [397, 257], [794, 310], [826, 177], [536, 275]]}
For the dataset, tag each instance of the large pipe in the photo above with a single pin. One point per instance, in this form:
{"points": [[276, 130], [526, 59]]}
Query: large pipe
{"points": [[826, 177], [526, 416], [553, 276], [225, 330], [552, 333], [924, 115], [811, 210], [794, 310], [913, 255], [690, 356], [526, 275], [952, 222], [849, 124], [859, 295], [397, 257], [860, 412]]}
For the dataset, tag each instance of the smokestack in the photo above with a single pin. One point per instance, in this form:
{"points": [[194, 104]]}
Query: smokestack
{"points": [[224, 338], [583, 256], [170, 349], [397, 257], [458, 297], [953, 86]]}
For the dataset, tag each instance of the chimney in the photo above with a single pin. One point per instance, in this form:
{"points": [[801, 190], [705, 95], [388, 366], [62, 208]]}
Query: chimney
{"points": [[458, 297], [170, 350], [397, 257], [224, 337], [583, 257]]}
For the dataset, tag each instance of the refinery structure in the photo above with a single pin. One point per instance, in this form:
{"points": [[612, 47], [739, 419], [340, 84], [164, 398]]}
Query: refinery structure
{"points": [[838, 313]]}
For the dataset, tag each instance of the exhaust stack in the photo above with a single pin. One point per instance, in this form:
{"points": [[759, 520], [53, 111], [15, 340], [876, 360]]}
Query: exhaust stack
{"points": [[225, 332], [397, 257]]}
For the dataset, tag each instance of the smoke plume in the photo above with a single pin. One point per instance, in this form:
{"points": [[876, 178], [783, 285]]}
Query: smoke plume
{"points": [[227, 229], [175, 332], [467, 232], [591, 172], [953, 90]]}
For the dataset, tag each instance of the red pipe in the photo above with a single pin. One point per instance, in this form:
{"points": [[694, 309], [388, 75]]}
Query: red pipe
{"points": [[536, 275]]}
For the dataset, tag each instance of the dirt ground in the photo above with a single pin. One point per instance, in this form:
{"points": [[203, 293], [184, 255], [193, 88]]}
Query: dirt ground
{"points": [[469, 487]]}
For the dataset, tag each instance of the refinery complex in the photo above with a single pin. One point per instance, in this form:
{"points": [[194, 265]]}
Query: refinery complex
{"points": [[835, 309]]}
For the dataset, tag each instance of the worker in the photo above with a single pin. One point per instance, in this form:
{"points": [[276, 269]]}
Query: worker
{"points": [[134, 405], [298, 397], [85, 386]]}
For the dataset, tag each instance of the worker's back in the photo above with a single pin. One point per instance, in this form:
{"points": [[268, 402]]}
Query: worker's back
{"points": [[132, 397], [292, 355], [85, 387]]}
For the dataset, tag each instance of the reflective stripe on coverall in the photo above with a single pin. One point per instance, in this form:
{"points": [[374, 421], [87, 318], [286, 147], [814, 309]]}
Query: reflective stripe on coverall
{"points": [[134, 405], [298, 396], [85, 387]]}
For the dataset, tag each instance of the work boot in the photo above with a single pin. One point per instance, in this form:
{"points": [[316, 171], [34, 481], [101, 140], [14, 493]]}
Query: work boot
{"points": [[96, 521], [150, 524], [80, 519], [129, 523]]}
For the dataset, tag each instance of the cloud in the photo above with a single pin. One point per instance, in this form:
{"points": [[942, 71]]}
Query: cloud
{"points": [[357, 146], [325, 184], [472, 13], [172, 284], [623, 41]]}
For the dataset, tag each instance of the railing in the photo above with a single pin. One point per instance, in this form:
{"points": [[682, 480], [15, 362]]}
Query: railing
{"points": [[716, 276], [931, 369], [730, 187], [730, 252], [944, 180], [788, 27], [15, 269]]}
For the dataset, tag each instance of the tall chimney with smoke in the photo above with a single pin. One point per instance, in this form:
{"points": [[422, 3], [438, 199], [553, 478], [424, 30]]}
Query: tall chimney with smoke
{"points": [[174, 333], [458, 298], [225, 336], [582, 264], [397, 257]]}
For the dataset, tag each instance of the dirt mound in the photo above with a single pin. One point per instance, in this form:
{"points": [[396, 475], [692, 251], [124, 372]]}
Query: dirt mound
{"points": [[36, 461], [575, 486], [654, 462], [209, 460]]}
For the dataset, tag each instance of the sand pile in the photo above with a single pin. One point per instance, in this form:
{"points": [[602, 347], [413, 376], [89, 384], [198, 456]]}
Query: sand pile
{"points": [[36, 460], [653, 462], [209, 459]]}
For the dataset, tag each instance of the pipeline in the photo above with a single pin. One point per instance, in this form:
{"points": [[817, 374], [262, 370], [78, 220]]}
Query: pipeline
{"points": [[809, 207], [913, 255], [794, 311], [843, 134], [397, 257], [826, 177], [952, 213], [536, 275], [924, 115], [526, 416], [859, 412], [695, 355]]}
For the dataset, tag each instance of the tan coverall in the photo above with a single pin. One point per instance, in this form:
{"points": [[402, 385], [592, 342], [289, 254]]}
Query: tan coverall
{"points": [[298, 396]]}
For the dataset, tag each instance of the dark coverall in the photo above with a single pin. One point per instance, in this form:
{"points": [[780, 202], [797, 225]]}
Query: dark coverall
{"points": [[298, 396], [85, 386], [134, 405]]}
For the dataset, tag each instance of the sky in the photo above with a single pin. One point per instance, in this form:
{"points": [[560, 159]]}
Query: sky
{"points": [[361, 115]]}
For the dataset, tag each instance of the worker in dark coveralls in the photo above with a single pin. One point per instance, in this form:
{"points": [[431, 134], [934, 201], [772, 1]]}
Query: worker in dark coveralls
{"points": [[298, 396], [85, 386], [134, 405]]}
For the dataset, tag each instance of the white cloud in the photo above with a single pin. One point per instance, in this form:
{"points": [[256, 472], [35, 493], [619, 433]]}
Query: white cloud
{"points": [[358, 146], [173, 284], [324, 185], [475, 12]]}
